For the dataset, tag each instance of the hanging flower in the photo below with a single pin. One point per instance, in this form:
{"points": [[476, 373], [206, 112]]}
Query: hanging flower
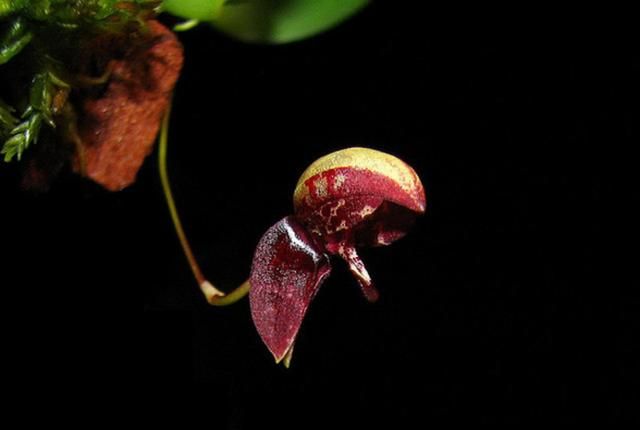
{"points": [[347, 199]]}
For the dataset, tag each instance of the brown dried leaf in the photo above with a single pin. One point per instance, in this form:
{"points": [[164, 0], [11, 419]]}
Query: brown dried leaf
{"points": [[119, 127]]}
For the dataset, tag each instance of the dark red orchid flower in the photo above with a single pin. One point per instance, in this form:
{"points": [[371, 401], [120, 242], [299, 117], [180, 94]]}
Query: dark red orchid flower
{"points": [[350, 198]]}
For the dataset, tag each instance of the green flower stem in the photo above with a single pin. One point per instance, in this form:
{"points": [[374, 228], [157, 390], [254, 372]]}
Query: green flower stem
{"points": [[213, 295]]}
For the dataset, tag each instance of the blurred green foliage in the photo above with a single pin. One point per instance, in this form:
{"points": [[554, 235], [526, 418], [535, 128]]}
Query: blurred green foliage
{"points": [[267, 21]]}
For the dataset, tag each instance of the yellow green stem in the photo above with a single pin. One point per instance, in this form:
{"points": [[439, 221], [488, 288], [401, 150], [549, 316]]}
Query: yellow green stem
{"points": [[186, 25], [213, 295]]}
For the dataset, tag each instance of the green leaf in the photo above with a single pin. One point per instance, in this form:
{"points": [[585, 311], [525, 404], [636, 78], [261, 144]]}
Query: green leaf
{"points": [[7, 120], [14, 41], [8, 7], [282, 21], [203, 10], [38, 111]]}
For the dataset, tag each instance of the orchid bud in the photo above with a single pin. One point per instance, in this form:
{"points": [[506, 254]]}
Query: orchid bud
{"points": [[349, 198]]}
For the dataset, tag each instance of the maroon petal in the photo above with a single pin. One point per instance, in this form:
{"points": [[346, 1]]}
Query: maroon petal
{"points": [[288, 269]]}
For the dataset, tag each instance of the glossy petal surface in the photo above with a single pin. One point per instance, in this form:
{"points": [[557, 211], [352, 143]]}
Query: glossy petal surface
{"points": [[288, 268]]}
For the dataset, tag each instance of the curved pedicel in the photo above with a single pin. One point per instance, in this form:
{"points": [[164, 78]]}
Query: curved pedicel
{"points": [[354, 197]]}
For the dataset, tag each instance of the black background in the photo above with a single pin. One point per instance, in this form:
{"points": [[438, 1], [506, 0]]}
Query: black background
{"points": [[496, 308]]}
